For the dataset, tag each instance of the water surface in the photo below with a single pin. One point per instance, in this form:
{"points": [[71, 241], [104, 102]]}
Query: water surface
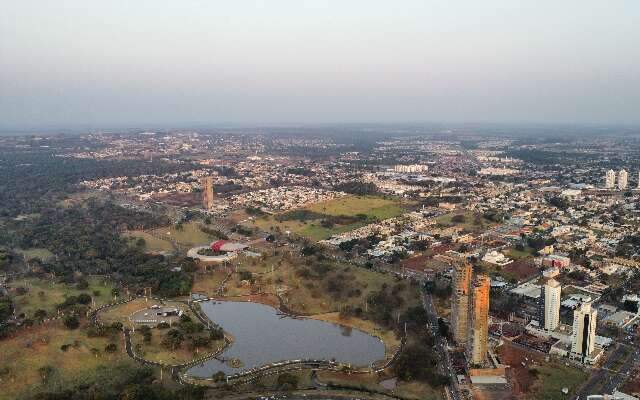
{"points": [[262, 336]]}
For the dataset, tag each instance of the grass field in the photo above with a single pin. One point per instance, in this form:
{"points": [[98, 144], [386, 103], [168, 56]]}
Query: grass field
{"points": [[152, 243], [154, 350], [122, 312], [47, 295], [30, 254], [40, 346], [552, 378], [470, 223], [539, 379], [408, 390], [516, 254], [375, 208], [189, 235]]}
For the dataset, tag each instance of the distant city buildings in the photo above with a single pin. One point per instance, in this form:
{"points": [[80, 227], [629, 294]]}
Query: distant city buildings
{"points": [[622, 179], [498, 171], [207, 192], [413, 168]]}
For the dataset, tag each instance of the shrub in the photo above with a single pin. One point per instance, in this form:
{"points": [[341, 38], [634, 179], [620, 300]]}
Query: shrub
{"points": [[71, 322]]}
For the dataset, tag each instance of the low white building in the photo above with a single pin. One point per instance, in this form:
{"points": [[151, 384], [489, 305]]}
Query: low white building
{"points": [[496, 258]]}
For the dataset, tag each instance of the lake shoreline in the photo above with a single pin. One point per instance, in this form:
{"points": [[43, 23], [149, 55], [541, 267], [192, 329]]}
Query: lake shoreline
{"points": [[388, 337]]}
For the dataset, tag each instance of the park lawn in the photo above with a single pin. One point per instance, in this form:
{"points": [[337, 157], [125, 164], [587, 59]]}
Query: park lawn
{"points": [[408, 390], [47, 295], [371, 206], [469, 223], [375, 208], [308, 296], [303, 295], [270, 382], [268, 223], [369, 381], [39, 346], [516, 254], [552, 378], [122, 312], [497, 270], [34, 252], [317, 232], [155, 351], [418, 390], [152, 243], [207, 283], [189, 235], [261, 267]]}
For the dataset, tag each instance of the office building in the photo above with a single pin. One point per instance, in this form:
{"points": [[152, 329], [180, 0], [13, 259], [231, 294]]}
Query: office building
{"points": [[462, 272], [584, 332], [479, 332], [207, 192], [549, 305], [623, 178]]}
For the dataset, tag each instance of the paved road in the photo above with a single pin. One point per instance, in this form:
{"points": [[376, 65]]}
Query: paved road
{"points": [[444, 362], [605, 380]]}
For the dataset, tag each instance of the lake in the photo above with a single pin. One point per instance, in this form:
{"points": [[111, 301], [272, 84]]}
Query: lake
{"points": [[262, 336]]}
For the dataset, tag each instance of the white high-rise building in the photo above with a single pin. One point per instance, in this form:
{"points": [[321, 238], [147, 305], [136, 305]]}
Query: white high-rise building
{"points": [[610, 179], [638, 180], [584, 332], [549, 313], [623, 179]]}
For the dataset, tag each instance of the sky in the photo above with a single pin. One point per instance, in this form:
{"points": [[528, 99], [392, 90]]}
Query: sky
{"points": [[99, 63]]}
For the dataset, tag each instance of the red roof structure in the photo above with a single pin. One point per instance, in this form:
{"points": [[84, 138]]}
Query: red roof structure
{"points": [[217, 245]]}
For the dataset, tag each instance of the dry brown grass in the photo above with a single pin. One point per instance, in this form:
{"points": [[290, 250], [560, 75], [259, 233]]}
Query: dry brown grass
{"points": [[391, 342], [155, 351], [40, 346]]}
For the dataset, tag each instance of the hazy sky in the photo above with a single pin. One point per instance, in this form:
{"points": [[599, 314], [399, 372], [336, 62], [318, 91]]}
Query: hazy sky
{"points": [[131, 62]]}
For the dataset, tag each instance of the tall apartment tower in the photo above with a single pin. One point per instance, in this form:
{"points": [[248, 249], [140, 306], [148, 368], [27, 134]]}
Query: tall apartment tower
{"points": [[610, 179], [462, 272], [207, 192], [549, 305], [623, 179], [584, 331], [479, 332], [638, 180]]}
